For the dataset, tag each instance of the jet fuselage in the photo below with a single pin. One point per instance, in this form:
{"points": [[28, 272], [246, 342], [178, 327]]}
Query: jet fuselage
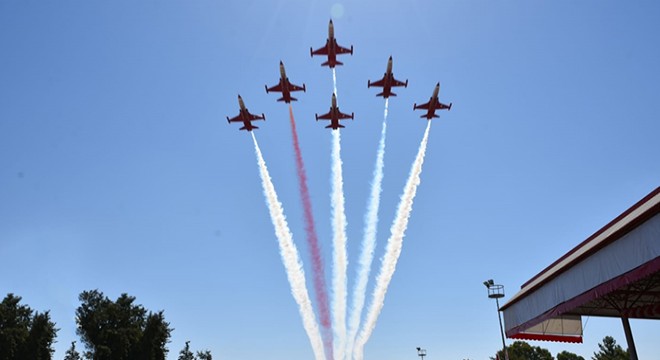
{"points": [[432, 105], [331, 48], [387, 82], [245, 117]]}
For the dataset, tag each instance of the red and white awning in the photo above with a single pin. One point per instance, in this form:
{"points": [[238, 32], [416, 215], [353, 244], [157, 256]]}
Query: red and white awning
{"points": [[615, 272]]}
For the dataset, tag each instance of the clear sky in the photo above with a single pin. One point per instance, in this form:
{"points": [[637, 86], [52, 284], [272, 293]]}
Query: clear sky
{"points": [[118, 170]]}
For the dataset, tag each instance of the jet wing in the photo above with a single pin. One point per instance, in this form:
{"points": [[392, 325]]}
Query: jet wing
{"points": [[324, 117], [276, 88], [341, 115], [423, 106], [322, 51], [442, 106], [252, 117], [236, 118], [342, 50], [396, 82], [293, 87], [379, 83]]}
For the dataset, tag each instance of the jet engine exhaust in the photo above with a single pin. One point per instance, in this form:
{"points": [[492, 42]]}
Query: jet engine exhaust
{"points": [[290, 258], [320, 286], [334, 81], [369, 240], [340, 257], [392, 249]]}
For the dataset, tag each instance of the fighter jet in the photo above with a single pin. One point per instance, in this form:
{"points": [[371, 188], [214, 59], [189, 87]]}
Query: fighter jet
{"points": [[285, 87], [387, 82], [245, 116], [433, 105], [334, 115], [331, 48]]}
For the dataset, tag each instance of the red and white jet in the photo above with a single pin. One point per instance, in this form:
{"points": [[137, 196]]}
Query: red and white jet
{"points": [[331, 48], [387, 82], [334, 115], [433, 105], [285, 87], [245, 117]]}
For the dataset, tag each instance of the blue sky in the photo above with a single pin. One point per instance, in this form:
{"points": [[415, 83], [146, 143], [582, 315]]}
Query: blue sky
{"points": [[119, 172]]}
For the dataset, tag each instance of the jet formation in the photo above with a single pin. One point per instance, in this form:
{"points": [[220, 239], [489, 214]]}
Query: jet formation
{"points": [[331, 50]]}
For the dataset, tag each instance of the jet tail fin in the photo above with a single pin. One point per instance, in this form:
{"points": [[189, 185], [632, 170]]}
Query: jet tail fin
{"points": [[338, 126], [327, 63], [249, 129]]}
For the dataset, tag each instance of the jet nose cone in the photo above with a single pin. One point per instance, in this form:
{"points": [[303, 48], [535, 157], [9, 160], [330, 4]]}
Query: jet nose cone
{"points": [[281, 62], [437, 85], [390, 57], [239, 97], [330, 21]]}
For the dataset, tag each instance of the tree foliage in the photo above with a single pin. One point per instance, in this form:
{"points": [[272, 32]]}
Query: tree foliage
{"points": [[22, 334], [567, 355], [121, 329], [187, 354], [521, 350], [609, 350], [72, 353], [204, 355]]}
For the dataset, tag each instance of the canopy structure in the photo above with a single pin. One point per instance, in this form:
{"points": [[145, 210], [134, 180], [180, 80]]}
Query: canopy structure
{"points": [[613, 273]]}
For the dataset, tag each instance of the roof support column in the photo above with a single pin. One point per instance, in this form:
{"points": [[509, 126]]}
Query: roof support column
{"points": [[632, 351]]}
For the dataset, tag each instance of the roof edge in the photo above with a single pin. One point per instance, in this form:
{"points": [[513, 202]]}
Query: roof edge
{"points": [[654, 209]]}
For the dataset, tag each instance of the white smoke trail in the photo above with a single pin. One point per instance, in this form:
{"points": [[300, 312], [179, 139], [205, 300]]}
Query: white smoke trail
{"points": [[393, 249], [339, 256], [290, 258], [369, 241], [334, 82]]}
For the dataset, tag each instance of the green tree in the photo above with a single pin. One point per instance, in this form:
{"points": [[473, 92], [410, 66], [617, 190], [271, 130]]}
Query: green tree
{"points": [[204, 355], [39, 344], [72, 354], [609, 350], [521, 350], [120, 330], [187, 354], [566, 355], [155, 337], [22, 334]]}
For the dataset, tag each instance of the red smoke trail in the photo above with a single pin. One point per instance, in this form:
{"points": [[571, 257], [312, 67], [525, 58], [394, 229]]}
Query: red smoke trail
{"points": [[313, 241]]}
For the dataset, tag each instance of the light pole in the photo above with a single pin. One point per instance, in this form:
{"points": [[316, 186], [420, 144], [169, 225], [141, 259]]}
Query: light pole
{"points": [[421, 352], [496, 292]]}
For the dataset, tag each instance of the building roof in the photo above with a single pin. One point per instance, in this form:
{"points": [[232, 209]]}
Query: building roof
{"points": [[614, 272]]}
